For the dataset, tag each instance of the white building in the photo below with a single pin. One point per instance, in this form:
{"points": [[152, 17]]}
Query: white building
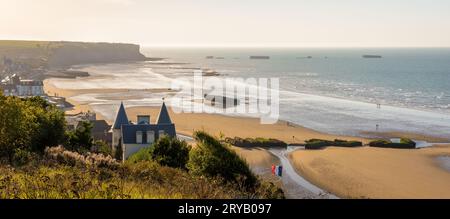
{"points": [[14, 86]]}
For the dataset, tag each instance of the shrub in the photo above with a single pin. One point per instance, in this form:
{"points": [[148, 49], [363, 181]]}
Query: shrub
{"points": [[118, 153], [256, 142], [16, 130], [212, 159], [101, 147], [170, 152], [404, 144], [49, 124], [80, 139], [319, 143], [141, 155], [63, 156], [144, 180], [21, 157], [408, 142], [166, 151]]}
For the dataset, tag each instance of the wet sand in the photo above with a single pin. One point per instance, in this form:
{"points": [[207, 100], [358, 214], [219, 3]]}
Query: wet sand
{"points": [[367, 172], [346, 172]]}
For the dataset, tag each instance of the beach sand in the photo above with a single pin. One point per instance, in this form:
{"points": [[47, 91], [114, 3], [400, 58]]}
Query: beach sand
{"points": [[215, 124], [375, 172], [346, 172], [260, 161]]}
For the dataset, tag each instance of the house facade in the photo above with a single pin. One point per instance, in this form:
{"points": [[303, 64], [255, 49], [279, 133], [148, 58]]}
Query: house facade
{"points": [[133, 137], [15, 86]]}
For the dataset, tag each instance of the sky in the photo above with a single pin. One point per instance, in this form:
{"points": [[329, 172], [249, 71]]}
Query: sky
{"points": [[231, 23]]}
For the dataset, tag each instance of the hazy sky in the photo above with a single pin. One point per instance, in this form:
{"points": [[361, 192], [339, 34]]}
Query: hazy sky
{"points": [[314, 23]]}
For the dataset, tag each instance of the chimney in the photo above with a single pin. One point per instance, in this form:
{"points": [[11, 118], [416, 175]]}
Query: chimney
{"points": [[143, 119]]}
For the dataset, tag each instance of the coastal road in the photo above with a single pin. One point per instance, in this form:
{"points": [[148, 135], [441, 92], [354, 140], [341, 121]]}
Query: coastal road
{"points": [[296, 185]]}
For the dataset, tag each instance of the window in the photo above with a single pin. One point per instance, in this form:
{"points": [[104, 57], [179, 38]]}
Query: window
{"points": [[161, 133], [139, 137], [150, 137]]}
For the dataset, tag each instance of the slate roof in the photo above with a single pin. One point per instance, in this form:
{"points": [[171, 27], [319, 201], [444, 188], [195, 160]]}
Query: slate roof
{"points": [[129, 131], [164, 117], [121, 119], [100, 126]]}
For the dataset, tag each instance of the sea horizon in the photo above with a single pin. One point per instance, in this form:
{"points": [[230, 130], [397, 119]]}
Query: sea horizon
{"points": [[328, 90]]}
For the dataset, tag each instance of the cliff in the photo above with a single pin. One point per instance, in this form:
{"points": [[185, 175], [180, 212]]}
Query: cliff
{"points": [[45, 55], [86, 53]]}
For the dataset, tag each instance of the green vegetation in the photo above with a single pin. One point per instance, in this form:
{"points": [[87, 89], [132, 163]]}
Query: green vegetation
{"points": [[319, 143], [255, 142], [101, 147], [81, 168], [166, 151], [211, 158], [80, 139], [35, 56], [405, 143], [48, 179], [28, 125]]}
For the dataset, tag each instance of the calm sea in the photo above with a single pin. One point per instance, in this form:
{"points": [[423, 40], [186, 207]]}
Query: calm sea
{"points": [[330, 90]]}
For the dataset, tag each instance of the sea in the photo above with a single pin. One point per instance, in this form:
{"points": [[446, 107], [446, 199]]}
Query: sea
{"points": [[333, 90]]}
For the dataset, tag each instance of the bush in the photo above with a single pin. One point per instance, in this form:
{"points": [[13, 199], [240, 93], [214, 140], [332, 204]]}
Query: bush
{"points": [[170, 152], [141, 155], [80, 139], [212, 159], [408, 142], [144, 180], [101, 147], [49, 124], [255, 142], [405, 143], [319, 143], [118, 153], [70, 158], [28, 125], [166, 151], [22, 157]]}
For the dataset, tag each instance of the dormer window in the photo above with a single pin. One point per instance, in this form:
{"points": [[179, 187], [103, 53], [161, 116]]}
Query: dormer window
{"points": [[139, 137]]}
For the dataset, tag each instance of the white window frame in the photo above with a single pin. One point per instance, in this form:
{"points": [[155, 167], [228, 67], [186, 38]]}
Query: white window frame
{"points": [[139, 137], [152, 135]]}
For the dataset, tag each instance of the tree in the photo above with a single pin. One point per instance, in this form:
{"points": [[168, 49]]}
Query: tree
{"points": [[49, 126], [15, 126], [172, 152], [167, 151], [212, 159], [80, 139], [101, 147], [118, 154]]}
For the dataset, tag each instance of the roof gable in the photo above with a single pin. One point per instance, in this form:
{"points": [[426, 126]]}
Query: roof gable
{"points": [[164, 117], [121, 119]]}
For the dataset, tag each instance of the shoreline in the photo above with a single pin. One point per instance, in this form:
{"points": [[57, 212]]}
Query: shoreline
{"points": [[304, 162]]}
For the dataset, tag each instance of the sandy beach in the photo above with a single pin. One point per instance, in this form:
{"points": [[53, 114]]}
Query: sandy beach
{"points": [[376, 173], [350, 173]]}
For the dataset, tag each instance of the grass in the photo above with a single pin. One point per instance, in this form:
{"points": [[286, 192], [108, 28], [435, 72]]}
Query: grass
{"points": [[62, 174], [145, 180]]}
